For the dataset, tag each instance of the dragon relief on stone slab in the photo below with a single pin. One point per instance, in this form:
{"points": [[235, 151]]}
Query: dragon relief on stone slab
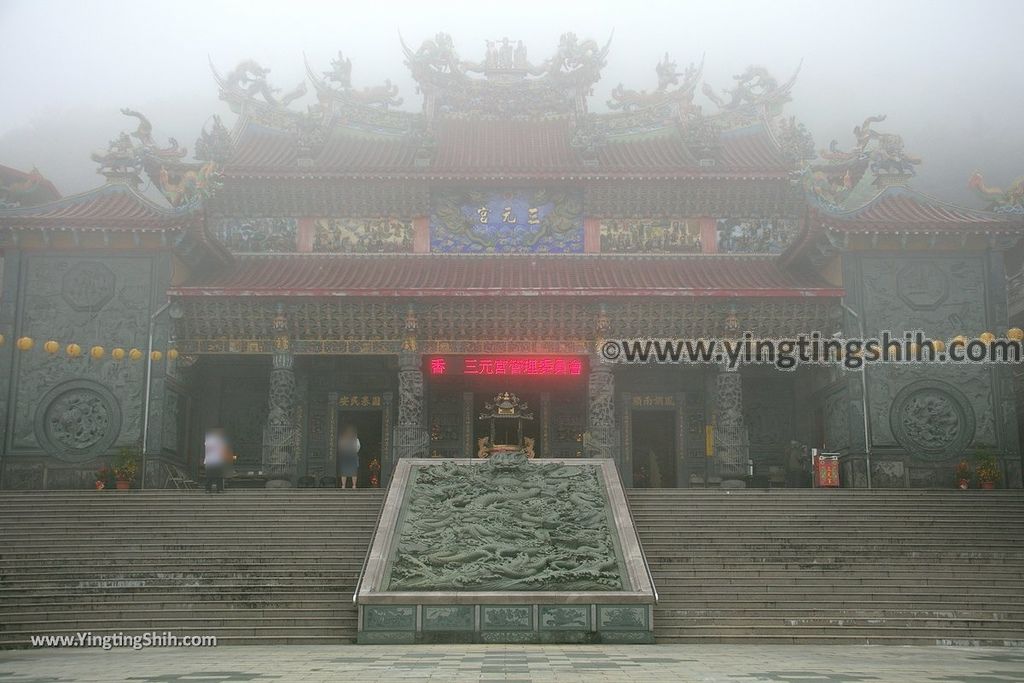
{"points": [[508, 524]]}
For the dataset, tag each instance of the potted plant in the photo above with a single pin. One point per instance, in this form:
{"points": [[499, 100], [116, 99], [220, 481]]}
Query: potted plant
{"points": [[988, 470], [963, 475], [126, 465]]}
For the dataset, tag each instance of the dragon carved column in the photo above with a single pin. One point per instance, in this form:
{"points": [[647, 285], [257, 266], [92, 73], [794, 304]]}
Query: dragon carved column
{"points": [[731, 442], [601, 430], [280, 436], [411, 439]]}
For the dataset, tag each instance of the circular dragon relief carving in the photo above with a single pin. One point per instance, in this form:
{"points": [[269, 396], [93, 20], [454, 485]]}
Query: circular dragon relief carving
{"points": [[932, 419], [78, 420]]}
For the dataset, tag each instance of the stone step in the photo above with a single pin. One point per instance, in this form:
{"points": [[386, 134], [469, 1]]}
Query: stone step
{"points": [[194, 624], [176, 595], [818, 582], [662, 612], [80, 613], [994, 623]]}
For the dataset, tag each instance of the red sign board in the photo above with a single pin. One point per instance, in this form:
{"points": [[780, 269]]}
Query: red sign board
{"points": [[504, 366]]}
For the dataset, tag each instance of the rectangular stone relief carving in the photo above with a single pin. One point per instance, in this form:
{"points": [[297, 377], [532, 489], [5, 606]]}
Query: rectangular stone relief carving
{"points": [[448, 617], [506, 618], [565, 617], [389, 618], [77, 408]]}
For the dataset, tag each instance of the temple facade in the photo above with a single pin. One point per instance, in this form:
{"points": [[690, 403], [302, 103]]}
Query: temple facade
{"points": [[332, 258]]}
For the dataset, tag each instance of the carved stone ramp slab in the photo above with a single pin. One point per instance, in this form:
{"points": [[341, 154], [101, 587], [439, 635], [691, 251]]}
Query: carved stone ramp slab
{"points": [[506, 550]]}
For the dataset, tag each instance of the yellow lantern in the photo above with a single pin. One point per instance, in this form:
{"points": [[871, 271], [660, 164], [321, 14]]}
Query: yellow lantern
{"points": [[26, 343], [912, 351], [1015, 334], [74, 350], [960, 339], [938, 345], [3, 340], [51, 347], [117, 353], [135, 354], [172, 354], [987, 337], [156, 356], [97, 352]]}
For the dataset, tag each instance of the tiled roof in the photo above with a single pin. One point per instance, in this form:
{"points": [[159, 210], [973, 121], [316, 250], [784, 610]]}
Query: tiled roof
{"points": [[22, 183], [114, 205], [507, 274], [899, 209], [510, 148]]}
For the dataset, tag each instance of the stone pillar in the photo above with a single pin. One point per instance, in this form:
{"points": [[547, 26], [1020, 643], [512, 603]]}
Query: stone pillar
{"points": [[601, 411], [411, 438], [732, 447], [10, 274], [280, 436], [601, 439]]}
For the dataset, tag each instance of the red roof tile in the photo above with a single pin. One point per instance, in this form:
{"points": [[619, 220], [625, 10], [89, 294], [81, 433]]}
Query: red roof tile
{"points": [[30, 188], [898, 209], [473, 147], [113, 205], [507, 274]]}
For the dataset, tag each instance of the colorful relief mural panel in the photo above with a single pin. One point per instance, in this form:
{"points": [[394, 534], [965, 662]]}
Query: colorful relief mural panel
{"points": [[362, 235], [755, 235], [514, 221], [257, 234], [650, 236]]}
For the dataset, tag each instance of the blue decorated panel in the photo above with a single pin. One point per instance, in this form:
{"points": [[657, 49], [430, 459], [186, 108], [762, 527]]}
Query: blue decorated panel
{"points": [[512, 221]]}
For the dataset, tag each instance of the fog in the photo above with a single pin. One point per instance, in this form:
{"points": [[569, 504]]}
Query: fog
{"points": [[947, 74]]}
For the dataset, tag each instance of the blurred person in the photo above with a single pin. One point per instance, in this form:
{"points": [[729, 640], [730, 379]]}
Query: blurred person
{"points": [[348, 456], [215, 458]]}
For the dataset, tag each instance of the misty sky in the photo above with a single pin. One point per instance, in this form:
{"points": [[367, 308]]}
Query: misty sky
{"points": [[947, 74]]}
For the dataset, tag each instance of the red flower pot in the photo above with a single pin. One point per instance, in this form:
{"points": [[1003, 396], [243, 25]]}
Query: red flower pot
{"points": [[123, 484], [988, 485]]}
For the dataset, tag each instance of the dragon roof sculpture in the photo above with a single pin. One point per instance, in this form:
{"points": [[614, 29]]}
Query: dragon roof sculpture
{"points": [[509, 85]]}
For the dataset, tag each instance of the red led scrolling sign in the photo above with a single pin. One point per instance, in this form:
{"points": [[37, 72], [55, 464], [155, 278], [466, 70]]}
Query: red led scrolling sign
{"points": [[505, 366]]}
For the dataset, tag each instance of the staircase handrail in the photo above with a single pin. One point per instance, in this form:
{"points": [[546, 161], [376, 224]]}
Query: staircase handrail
{"points": [[639, 541], [366, 557]]}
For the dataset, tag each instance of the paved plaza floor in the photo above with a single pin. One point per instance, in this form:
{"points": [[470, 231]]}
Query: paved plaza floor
{"points": [[683, 663]]}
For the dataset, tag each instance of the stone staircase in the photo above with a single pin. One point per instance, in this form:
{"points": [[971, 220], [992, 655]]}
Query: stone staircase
{"points": [[248, 566], [844, 566]]}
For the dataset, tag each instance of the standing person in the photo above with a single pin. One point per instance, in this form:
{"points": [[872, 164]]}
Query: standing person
{"points": [[348, 456], [215, 459]]}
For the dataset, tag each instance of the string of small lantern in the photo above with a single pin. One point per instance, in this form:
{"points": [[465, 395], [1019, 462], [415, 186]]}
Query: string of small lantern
{"points": [[96, 352]]}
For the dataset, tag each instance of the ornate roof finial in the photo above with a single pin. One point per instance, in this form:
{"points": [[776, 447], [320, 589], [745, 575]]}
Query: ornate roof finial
{"points": [[1010, 200], [756, 92], [632, 100], [121, 162]]}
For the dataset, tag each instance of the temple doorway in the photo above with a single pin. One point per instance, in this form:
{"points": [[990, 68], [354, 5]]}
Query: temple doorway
{"points": [[369, 426], [654, 448]]}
